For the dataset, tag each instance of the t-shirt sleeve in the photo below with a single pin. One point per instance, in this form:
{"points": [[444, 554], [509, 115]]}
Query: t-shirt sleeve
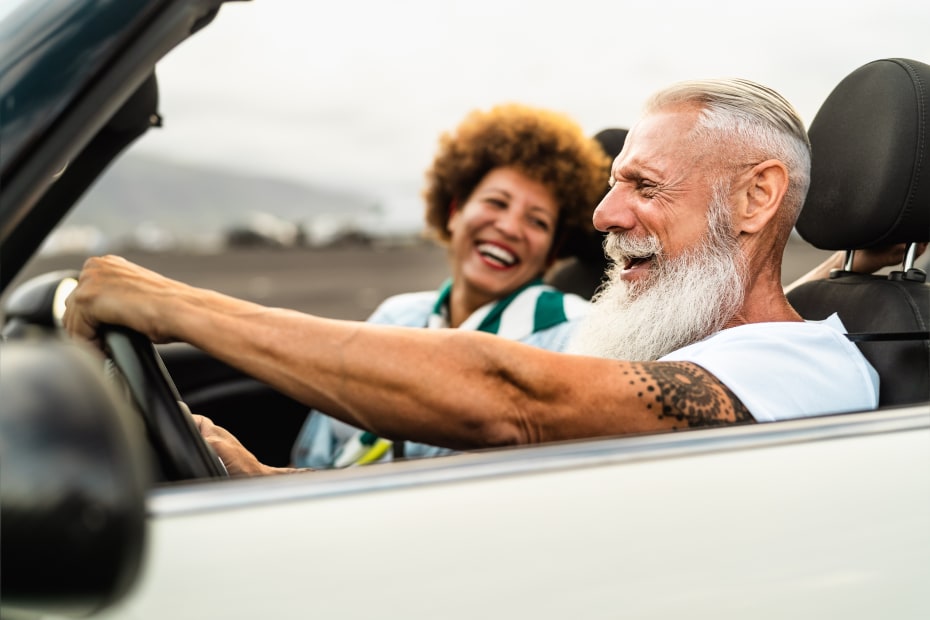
{"points": [[791, 370]]}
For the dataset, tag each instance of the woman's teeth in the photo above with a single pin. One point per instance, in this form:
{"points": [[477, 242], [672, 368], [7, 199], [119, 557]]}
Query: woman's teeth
{"points": [[497, 254]]}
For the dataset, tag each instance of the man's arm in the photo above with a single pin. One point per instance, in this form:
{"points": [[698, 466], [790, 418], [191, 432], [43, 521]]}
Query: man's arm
{"points": [[454, 388], [693, 397]]}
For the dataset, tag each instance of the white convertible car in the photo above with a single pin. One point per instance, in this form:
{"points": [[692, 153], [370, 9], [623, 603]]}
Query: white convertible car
{"points": [[112, 506]]}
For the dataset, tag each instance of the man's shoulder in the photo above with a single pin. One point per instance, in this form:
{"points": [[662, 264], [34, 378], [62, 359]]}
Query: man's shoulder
{"points": [[814, 338], [787, 369]]}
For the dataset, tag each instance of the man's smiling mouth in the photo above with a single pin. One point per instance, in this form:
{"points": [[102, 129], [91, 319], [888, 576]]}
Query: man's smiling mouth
{"points": [[636, 261]]}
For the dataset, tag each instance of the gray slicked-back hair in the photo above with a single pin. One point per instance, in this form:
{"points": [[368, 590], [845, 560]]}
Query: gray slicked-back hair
{"points": [[757, 122]]}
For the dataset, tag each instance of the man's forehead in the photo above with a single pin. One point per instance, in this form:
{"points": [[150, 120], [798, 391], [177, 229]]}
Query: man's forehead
{"points": [[657, 139]]}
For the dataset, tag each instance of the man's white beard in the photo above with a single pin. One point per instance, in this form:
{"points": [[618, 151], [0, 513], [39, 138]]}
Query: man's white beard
{"points": [[680, 302]]}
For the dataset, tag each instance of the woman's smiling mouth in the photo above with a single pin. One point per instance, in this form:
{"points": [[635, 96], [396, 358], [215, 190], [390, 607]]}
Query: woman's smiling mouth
{"points": [[497, 256]]}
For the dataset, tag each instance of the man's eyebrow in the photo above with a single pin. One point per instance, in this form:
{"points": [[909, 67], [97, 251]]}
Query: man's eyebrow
{"points": [[635, 168]]}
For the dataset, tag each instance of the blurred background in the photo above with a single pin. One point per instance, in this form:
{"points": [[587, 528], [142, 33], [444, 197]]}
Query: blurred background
{"points": [[295, 133]]}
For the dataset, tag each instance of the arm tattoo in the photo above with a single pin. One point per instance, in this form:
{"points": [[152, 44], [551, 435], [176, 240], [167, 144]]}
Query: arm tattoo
{"points": [[689, 394]]}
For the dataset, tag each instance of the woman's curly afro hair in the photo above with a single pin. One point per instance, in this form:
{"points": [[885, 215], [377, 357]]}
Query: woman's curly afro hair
{"points": [[547, 146]]}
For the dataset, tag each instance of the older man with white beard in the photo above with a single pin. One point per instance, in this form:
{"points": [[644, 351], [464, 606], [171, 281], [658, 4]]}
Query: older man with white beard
{"points": [[681, 301], [704, 196]]}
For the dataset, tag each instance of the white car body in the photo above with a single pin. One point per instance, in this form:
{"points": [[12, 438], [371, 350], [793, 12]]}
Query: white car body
{"points": [[816, 518]]}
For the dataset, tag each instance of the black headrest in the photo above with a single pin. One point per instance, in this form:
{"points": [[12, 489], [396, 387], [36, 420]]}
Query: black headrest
{"points": [[611, 140], [870, 159]]}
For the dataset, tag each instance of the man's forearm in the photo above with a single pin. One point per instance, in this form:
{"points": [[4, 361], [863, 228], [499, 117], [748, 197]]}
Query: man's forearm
{"points": [[397, 382], [453, 388], [458, 389]]}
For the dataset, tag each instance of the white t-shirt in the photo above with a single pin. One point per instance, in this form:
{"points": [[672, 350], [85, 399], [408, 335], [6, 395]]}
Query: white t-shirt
{"points": [[788, 370]]}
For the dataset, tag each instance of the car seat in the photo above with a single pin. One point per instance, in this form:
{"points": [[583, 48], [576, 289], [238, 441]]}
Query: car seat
{"points": [[870, 187]]}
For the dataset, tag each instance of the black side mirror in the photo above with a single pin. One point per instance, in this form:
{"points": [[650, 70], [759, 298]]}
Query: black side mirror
{"points": [[73, 481]]}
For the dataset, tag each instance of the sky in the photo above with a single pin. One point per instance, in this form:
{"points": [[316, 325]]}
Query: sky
{"points": [[355, 93]]}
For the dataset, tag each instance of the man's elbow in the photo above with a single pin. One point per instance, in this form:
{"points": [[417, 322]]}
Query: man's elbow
{"points": [[481, 429]]}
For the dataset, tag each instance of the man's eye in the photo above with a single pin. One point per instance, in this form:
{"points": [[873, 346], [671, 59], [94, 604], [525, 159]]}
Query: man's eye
{"points": [[647, 188], [497, 202]]}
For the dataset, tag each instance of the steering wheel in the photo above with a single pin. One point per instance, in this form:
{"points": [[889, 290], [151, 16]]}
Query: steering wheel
{"points": [[185, 454], [182, 451]]}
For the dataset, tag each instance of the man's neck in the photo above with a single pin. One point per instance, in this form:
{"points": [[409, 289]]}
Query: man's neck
{"points": [[765, 302]]}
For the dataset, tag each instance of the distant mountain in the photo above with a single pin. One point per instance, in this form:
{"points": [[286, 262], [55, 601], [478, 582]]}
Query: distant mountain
{"points": [[188, 201]]}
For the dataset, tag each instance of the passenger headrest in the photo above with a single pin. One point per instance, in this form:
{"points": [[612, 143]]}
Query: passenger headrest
{"points": [[870, 159], [611, 140]]}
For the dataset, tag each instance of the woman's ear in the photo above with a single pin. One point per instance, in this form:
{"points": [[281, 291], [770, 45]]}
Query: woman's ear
{"points": [[453, 211], [762, 197]]}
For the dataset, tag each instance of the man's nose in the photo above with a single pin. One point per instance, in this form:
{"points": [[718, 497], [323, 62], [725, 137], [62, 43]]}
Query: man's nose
{"points": [[614, 213]]}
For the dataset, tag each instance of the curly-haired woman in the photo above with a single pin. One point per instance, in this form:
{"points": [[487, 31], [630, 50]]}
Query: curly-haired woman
{"points": [[508, 191]]}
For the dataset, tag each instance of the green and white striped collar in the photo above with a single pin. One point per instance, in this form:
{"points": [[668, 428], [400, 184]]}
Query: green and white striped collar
{"points": [[533, 307]]}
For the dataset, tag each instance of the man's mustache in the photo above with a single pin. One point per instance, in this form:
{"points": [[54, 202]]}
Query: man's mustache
{"points": [[621, 247]]}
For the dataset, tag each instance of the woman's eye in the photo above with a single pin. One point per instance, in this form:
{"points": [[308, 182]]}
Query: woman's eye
{"points": [[540, 224], [497, 202]]}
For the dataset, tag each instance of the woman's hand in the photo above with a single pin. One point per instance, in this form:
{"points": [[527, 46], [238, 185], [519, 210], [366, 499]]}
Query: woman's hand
{"points": [[864, 261], [873, 259]]}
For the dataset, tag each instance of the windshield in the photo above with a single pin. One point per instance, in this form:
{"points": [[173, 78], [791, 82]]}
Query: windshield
{"points": [[46, 57]]}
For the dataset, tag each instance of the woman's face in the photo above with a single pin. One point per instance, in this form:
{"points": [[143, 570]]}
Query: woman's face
{"points": [[502, 234]]}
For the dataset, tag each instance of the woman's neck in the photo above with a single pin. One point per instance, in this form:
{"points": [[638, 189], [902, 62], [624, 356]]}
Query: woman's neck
{"points": [[463, 303]]}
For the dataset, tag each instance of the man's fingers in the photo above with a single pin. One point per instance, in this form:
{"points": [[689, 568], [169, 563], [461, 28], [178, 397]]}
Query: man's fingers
{"points": [[205, 425]]}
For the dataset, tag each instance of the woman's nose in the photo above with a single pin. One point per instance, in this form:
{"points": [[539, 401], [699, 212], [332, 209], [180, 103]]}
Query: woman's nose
{"points": [[509, 222]]}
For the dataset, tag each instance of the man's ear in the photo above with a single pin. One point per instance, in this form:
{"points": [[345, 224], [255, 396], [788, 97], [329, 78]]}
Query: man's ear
{"points": [[766, 188]]}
